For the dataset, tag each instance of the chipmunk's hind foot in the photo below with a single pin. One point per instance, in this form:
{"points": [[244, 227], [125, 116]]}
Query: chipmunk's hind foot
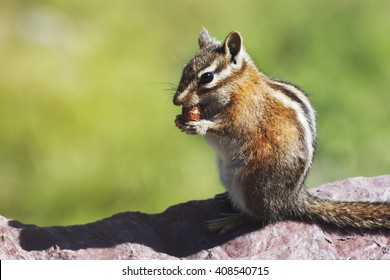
{"points": [[228, 222]]}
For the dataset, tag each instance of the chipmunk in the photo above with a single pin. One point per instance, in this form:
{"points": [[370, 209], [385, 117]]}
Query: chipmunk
{"points": [[263, 131]]}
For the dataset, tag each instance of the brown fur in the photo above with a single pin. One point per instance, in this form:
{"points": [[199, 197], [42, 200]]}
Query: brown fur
{"points": [[265, 149]]}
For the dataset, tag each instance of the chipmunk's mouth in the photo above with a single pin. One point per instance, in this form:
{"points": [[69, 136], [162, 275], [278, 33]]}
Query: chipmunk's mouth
{"points": [[196, 112], [191, 113], [204, 112]]}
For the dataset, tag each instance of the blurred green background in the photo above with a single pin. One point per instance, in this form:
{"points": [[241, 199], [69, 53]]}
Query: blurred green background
{"points": [[86, 118]]}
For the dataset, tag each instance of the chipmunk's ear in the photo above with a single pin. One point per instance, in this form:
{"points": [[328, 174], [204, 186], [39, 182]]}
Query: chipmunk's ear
{"points": [[233, 45], [204, 38]]}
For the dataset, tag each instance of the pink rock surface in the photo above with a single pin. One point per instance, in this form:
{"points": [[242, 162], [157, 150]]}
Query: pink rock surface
{"points": [[179, 232]]}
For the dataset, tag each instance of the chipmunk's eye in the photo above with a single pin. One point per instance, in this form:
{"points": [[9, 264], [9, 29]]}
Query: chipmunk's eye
{"points": [[206, 78]]}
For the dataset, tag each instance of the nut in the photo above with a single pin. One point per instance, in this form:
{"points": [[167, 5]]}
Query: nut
{"points": [[191, 113]]}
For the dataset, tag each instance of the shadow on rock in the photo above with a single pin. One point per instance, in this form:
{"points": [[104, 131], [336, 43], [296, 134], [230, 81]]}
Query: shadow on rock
{"points": [[179, 231]]}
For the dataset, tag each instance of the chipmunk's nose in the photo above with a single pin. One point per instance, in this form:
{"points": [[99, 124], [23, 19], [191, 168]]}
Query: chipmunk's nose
{"points": [[175, 99], [179, 98]]}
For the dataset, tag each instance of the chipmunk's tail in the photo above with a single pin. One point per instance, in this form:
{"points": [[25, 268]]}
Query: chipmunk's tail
{"points": [[358, 215]]}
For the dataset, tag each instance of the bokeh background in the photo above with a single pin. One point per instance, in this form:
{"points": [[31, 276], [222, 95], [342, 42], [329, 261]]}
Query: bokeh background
{"points": [[86, 118]]}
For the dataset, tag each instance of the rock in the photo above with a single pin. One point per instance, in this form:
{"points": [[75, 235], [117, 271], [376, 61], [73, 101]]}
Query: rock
{"points": [[179, 232]]}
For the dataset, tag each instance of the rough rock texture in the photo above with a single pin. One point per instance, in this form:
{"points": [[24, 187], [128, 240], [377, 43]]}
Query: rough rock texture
{"points": [[179, 233]]}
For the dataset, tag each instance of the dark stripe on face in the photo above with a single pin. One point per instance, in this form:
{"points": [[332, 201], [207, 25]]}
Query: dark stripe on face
{"points": [[233, 75]]}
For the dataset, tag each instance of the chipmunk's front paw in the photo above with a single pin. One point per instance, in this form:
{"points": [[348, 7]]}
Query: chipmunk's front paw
{"points": [[192, 127]]}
